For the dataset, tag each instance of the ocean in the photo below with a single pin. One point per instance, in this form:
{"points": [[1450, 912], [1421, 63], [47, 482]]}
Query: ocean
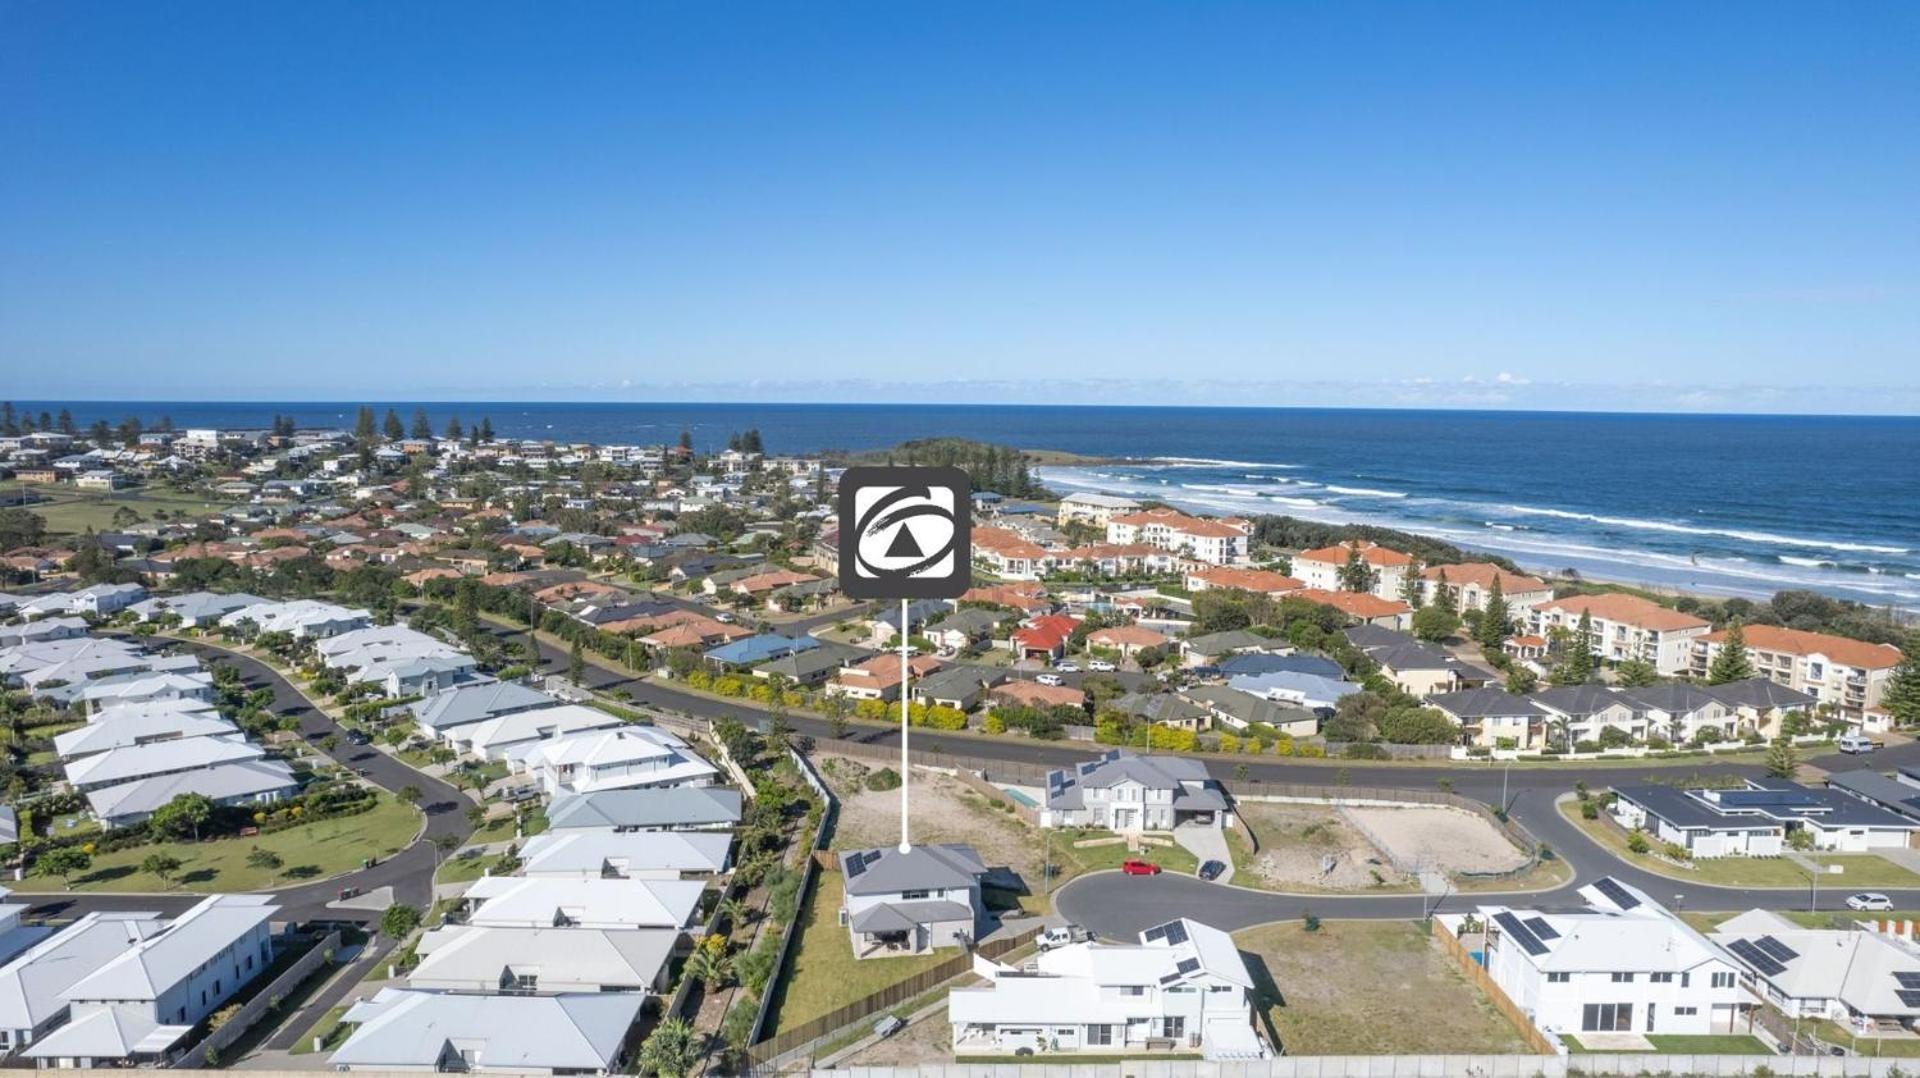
{"points": [[1726, 505]]}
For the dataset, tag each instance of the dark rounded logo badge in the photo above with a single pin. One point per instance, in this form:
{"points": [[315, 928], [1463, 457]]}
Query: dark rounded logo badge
{"points": [[905, 533]]}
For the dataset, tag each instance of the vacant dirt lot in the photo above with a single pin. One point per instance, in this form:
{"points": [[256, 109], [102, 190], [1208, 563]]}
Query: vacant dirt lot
{"points": [[1450, 840], [944, 810], [929, 1040], [1369, 988], [1297, 844]]}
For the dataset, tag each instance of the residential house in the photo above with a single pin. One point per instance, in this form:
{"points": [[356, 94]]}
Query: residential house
{"points": [[1861, 980], [627, 855], [1622, 964], [1755, 819], [961, 629], [1125, 792], [1472, 582], [925, 898], [544, 961], [1094, 509], [1210, 648], [558, 902], [613, 758], [878, 678], [413, 1030], [241, 782], [465, 705], [1492, 717], [676, 808], [1321, 569], [1020, 692], [1235, 710], [958, 687], [1183, 987], [512, 734], [1256, 581], [33, 983], [1127, 640], [1362, 607], [139, 1006], [195, 610]]}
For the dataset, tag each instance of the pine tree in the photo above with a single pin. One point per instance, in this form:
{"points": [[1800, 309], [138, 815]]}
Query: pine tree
{"points": [[1411, 592], [1356, 575], [1495, 618], [576, 664], [1444, 596], [9, 423], [1901, 697], [392, 428], [1731, 663], [454, 430], [484, 431], [1783, 759], [363, 425], [422, 428], [686, 439], [66, 421]]}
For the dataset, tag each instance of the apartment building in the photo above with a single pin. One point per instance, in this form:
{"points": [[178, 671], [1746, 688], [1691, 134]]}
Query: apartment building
{"points": [[1626, 627], [1472, 582], [1849, 675], [1320, 569]]}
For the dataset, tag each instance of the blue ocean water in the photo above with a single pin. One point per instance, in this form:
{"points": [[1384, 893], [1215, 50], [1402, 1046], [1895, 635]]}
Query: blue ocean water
{"points": [[1718, 504]]}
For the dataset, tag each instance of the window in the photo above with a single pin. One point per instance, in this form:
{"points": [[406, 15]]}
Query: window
{"points": [[913, 896], [1176, 1026], [1220, 988], [1133, 990], [1660, 978], [1559, 978], [1686, 1010], [1723, 980], [1686, 979], [1100, 1036], [1623, 978], [1606, 1018]]}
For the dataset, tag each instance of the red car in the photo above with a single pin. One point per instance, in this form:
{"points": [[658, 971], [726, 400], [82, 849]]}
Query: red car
{"points": [[1139, 868]]}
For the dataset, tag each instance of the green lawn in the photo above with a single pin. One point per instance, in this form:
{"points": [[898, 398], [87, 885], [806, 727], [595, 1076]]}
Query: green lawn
{"points": [[328, 1028], [73, 511], [1706, 1044], [1858, 869], [459, 869], [1369, 988], [1097, 858], [310, 852], [823, 974], [1889, 1047]]}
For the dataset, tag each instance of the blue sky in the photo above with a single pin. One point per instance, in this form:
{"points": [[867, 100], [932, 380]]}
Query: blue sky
{"points": [[1644, 205]]}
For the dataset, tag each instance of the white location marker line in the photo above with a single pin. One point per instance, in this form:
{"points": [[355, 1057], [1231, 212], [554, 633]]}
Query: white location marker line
{"points": [[906, 842]]}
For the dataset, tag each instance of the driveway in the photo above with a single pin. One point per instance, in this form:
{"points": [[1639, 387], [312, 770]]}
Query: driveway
{"points": [[1207, 844]]}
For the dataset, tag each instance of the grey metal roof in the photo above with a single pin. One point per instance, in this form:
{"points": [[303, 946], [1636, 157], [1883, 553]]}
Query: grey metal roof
{"points": [[905, 916], [1486, 702], [1762, 694], [477, 703], [684, 806], [1580, 701], [885, 870], [1232, 640]]}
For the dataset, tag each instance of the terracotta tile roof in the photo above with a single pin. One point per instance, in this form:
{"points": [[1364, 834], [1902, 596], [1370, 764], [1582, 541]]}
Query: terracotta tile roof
{"points": [[1264, 581], [1628, 610], [1126, 636], [1372, 553], [1034, 694], [1047, 632], [1481, 574], [1840, 649], [1357, 604]]}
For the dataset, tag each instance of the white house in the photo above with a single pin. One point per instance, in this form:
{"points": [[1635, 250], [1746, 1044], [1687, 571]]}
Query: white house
{"points": [[630, 855], [1850, 976], [302, 619], [677, 808], [910, 903], [1321, 568], [242, 782], [411, 1030], [33, 983], [497, 737], [1625, 964], [196, 609], [617, 758], [1121, 791], [1183, 987], [1625, 627], [544, 961], [1755, 819], [137, 1007], [555, 902], [158, 758]]}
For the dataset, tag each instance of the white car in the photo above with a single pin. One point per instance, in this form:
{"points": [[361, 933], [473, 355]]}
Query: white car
{"points": [[1048, 679], [1102, 666], [1869, 901], [1067, 668]]}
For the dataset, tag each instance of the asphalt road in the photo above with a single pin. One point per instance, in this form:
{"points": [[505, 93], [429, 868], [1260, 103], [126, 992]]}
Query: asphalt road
{"points": [[409, 872]]}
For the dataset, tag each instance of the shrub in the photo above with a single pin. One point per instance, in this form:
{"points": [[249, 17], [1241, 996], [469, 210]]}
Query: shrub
{"points": [[884, 779], [1637, 842], [1676, 852]]}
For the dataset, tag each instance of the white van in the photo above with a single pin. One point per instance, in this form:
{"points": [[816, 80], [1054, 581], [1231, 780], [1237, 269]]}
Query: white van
{"points": [[1049, 679], [1857, 743]]}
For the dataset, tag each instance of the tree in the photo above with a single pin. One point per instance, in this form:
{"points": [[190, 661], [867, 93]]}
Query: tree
{"points": [[1496, 620], [265, 860], [1444, 594], [483, 432], [422, 427], [64, 862], [1731, 662], [1635, 674], [454, 429], [411, 794], [576, 663], [671, 1050], [1435, 623], [1783, 759], [162, 866], [1411, 593], [1417, 726], [1901, 697], [1356, 574], [363, 428], [710, 967], [391, 428], [1577, 665], [182, 816], [1521, 681], [399, 919]]}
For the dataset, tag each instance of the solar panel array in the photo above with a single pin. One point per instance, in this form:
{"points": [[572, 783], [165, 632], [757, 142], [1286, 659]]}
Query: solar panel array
{"points": [[1762, 962], [1615, 893], [858, 863], [1541, 928], [1519, 933], [1174, 932], [1908, 980], [1909, 997], [1775, 948]]}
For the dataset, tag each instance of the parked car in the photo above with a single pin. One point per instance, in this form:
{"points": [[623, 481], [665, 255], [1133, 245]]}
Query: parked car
{"points": [[1857, 743], [724, 617], [1067, 667], [1062, 935], [1049, 679], [1102, 666], [1211, 870], [1869, 900], [1137, 867]]}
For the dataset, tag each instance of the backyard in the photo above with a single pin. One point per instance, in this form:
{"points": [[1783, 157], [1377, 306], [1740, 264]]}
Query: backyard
{"points": [[1369, 988], [823, 974], [1706, 1044], [307, 852], [1857, 870]]}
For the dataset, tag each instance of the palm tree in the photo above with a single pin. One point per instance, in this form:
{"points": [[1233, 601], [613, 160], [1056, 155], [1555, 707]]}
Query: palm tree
{"points": [[713, 968], [735, 912]]}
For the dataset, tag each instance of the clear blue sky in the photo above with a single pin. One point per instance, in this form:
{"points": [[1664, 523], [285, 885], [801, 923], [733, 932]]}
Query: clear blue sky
{"points": [[1663, 204]]}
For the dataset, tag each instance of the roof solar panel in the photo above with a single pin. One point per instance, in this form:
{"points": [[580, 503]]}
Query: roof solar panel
{"points": [[1188, 965], [1615, 893], [1519, 933], [1761, 962], [1777, 949], [1541, 928], [1174, 932], [1908, 979], [1909, 997], [856, 864]]}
